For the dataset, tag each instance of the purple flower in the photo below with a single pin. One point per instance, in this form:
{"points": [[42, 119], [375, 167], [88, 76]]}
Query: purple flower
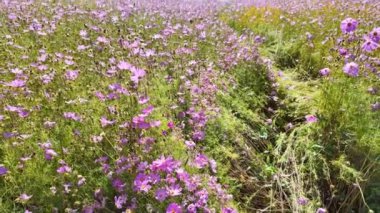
{"points": [[311, 118], [174, 190], [351, 69], [23, 113], [122, 65], [139, 122], [49, 154], [161, 194], [324, 71], [143, 99], [118, 184], [212, 163], [200, 161], [348, 25], [102, 40], [302, 201], [171, 124], [165, 164], [198, 136], [190, 144], [375, 35], [3, 171], [343, 51], [137, 74], [375, 106], [120, 201], [228, 210], [104, 122], [71, 75], [141, 183], [369, 45], [174, 208], [321, 210], [64, 169], [192, 208], [72, 116], [16, 83]]}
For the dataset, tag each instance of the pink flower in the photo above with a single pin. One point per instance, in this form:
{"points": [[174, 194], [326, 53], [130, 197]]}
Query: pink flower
{"points": [[171, 124], [104, 122], [311, 118], [24, 197], [137, 74], [16, 83], [122, 65]]}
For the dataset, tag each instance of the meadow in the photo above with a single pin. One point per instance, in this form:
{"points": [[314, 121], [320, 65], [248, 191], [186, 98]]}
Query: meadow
{"points": [[189, 106]]}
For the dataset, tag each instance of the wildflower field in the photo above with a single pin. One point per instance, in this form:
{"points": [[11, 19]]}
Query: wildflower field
{"points": [[185, 106]]}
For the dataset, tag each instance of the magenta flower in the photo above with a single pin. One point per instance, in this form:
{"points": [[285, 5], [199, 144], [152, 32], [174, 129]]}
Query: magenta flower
{"points": [[311, 118], [174, 208], [351, 69], [325, 71], [16, 83], [348, 25], [171, 124], [3, 171]]}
